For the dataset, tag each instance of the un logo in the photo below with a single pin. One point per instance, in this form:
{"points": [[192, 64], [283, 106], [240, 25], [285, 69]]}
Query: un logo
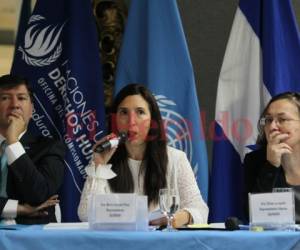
{"points": [[177, 128], [42, 45]]}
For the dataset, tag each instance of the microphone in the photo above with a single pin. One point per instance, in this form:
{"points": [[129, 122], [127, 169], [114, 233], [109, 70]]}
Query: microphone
{"points": [[232, 223], [112, 142]]}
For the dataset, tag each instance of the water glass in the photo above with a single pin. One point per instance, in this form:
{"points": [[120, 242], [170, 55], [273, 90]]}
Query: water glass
{"points": [[168, 203]]}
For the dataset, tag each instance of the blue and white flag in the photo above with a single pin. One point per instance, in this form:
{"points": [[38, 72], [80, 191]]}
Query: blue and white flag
{"points": [[60, 56], [154, 52], [262, 59]]}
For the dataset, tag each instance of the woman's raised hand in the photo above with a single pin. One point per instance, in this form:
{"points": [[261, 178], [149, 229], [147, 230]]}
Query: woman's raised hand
{"points": [[103, 157]]}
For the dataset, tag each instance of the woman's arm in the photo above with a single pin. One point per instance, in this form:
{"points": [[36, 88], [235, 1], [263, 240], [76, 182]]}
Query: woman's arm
{"points": [[193, 208], [95, 183]]}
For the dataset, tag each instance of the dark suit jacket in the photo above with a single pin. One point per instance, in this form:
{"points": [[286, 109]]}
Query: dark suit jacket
{"points": [[36, 175], [260, 175]]}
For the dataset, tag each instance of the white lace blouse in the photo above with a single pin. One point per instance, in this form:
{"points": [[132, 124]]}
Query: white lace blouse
{"points": [[179, 176]]}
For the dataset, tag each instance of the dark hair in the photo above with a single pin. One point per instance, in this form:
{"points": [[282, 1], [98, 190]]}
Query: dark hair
{"points": [[11, 81], [292, 97], [154, 163]]}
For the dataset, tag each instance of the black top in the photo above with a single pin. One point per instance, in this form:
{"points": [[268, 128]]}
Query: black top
{"points": [[261, 176], [297, 202]]}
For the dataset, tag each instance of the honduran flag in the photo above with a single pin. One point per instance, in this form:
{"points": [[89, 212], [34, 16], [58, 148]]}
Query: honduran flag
{"points": [[154, 52], [262, 59]]}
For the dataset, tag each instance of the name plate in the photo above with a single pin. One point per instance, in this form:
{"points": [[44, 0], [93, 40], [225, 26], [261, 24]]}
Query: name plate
{"points": [[115, 208], [118, 212], [272, 208]]}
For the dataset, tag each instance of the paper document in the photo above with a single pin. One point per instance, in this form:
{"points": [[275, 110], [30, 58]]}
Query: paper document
{"points": [[211, 225], [66, 226], [156, 214]]}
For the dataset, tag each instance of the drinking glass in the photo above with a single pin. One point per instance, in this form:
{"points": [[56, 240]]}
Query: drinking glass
{"points": [[168, 203]]}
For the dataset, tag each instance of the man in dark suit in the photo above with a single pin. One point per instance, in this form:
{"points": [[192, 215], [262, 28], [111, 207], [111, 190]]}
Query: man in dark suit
{"points": [[35, 165]]}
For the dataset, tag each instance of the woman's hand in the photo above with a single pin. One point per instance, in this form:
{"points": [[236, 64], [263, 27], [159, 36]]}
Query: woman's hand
{"points": [[276, 147], [38, 211], [181, 218], [103, 157]]}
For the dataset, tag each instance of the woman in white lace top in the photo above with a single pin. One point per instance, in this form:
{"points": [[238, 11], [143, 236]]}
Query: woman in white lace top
{"points": [[144, 164]]}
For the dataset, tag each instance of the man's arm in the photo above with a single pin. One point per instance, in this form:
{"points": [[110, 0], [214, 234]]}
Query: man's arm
{"points": [[10, 208], [38, 173]]}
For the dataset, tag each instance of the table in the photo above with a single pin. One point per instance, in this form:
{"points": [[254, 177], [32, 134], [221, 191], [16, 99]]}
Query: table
{"points": [[33, 237]]}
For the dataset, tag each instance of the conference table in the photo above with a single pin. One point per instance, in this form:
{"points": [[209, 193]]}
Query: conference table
{"points": [[37, 238]]}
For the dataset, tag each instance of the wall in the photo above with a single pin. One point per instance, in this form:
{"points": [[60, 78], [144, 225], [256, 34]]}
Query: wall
{"points": [[207, 43]]}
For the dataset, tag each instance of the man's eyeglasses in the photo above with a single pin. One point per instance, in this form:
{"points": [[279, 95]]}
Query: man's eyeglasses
{"points": [[266, 121]]}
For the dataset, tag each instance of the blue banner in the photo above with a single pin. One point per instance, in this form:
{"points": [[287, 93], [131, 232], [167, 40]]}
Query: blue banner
{"points": [[261, 60], [154, 52], [59, 54]]}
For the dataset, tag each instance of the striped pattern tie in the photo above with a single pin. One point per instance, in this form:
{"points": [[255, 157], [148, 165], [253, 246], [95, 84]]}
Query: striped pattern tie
{"points": [[4, 170]]}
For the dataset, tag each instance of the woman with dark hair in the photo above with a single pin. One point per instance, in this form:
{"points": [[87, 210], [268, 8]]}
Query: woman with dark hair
{"points": [[144, 164], [277, 162]]}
